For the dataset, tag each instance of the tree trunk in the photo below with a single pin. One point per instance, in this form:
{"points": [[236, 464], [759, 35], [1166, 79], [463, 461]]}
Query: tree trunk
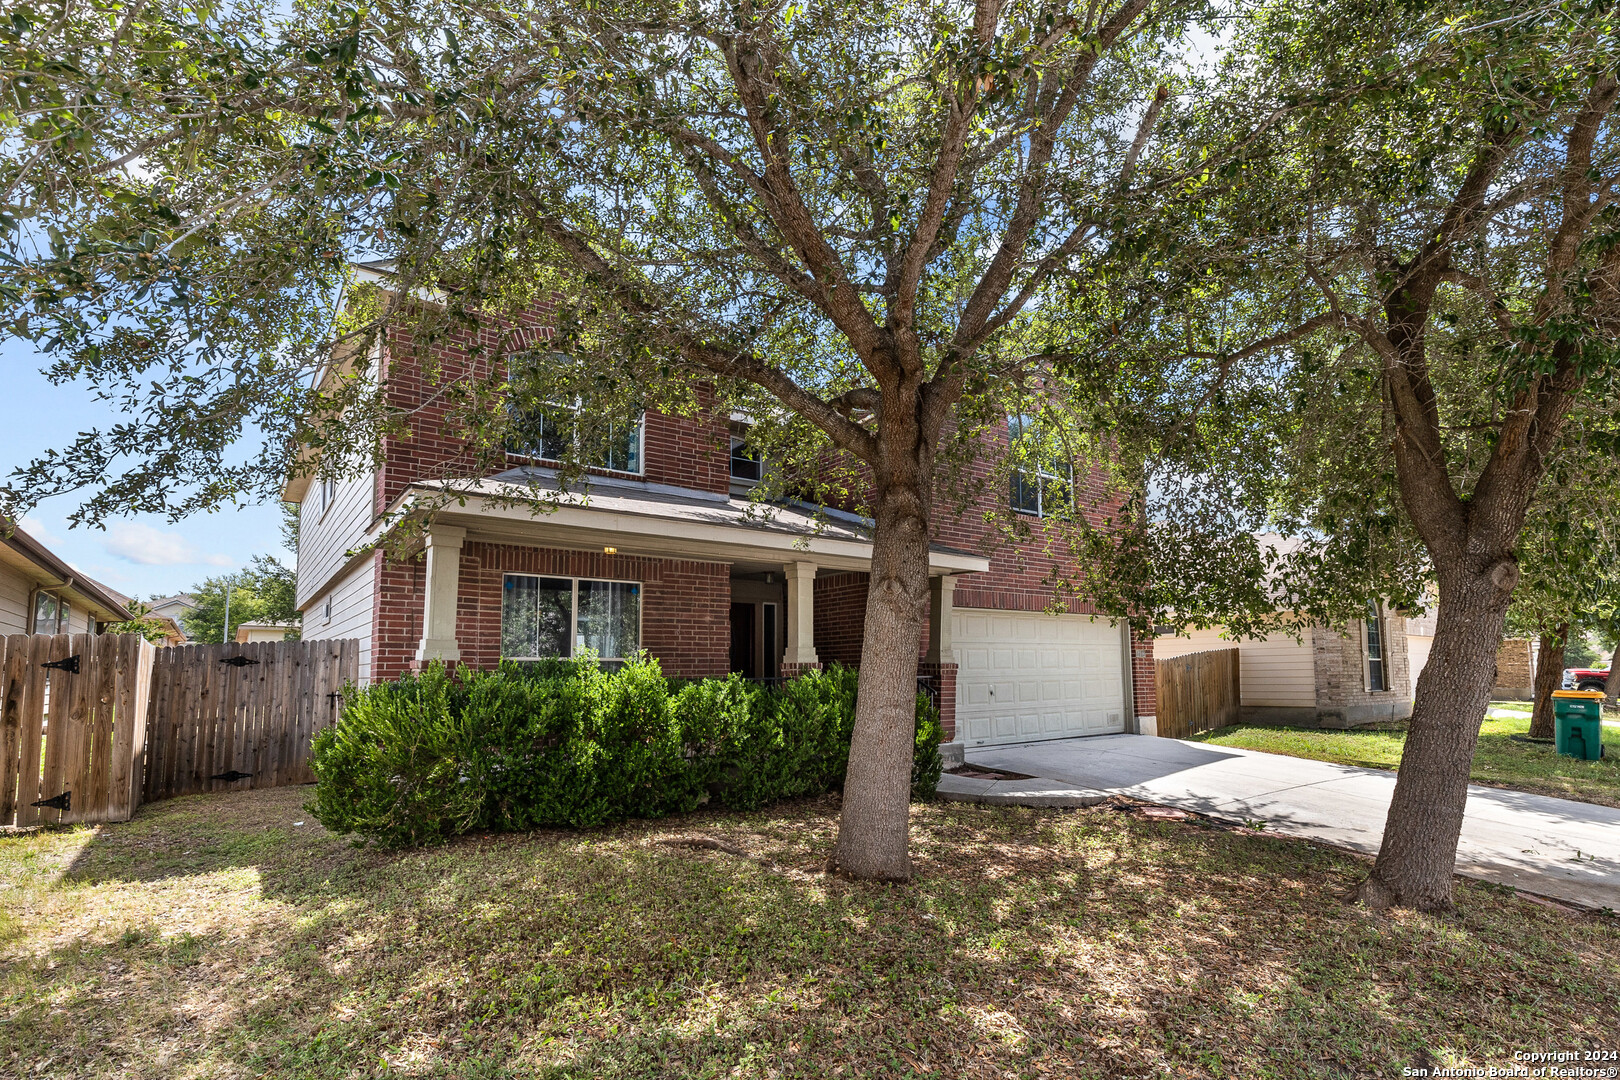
{"points": [[1419, 851], [1611, 685], [1549, 675], [874, 829]]}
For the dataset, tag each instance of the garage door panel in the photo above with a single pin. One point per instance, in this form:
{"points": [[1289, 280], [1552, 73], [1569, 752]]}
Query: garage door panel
{"points": [[1024, 677]]}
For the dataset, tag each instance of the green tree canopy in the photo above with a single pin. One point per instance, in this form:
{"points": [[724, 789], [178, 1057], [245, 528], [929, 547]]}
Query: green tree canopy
{"points": [[262, 593], [1404, 335], [869, 227]]}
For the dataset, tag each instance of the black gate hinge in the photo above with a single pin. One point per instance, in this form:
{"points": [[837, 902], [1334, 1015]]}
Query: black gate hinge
{"points": [[69, 665], [62, 802]]}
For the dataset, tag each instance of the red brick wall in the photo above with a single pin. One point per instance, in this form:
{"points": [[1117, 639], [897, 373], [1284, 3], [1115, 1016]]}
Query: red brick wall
{"points": [[840, 618], [693, 452], [689, 451], [1145, 699], [1023, 574], [944, 676], [397, 617]]}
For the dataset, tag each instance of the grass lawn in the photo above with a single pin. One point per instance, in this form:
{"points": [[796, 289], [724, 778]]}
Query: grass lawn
{"points": [[1499, 761], [216, 937]]}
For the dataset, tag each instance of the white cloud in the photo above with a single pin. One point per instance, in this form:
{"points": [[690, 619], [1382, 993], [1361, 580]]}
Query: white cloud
{"points": [[137, 543], [36, 528]]}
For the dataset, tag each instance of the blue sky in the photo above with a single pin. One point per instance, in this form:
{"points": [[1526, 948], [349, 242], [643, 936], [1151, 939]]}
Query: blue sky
{"points": [[144, 555]]}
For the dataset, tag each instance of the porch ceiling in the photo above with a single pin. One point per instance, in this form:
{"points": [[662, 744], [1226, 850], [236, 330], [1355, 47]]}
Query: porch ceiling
{"points": [[662, 524]]}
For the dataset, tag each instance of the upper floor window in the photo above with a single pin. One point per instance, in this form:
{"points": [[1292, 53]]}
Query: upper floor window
{"points": [[1377, 677], [328, 492], [1041, 480], [745, 463], [551, 432], [50, 614]]}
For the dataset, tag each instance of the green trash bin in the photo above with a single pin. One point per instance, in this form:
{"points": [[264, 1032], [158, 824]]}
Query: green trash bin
{"points": [[1578, 723]]}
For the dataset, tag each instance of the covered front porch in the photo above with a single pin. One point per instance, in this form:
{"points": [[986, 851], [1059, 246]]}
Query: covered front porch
{"points": [[707, 584]]}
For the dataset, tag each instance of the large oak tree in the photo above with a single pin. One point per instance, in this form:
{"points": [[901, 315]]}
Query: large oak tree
{"points": [[877, 226], [1437, 211]]}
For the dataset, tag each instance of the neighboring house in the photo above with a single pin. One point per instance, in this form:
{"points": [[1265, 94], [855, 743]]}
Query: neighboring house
{"points": [[668, 555], [249, 632], [41, 594], [1515, 659], [172, 634], [1515, 670], [1328, 678], [173, 608]]}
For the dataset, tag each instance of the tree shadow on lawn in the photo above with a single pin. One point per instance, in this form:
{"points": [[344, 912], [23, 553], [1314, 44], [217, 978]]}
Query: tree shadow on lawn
{"points": [[1067, 943]]}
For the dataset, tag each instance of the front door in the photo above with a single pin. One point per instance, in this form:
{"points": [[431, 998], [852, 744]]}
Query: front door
{"points": [[742, 640]]}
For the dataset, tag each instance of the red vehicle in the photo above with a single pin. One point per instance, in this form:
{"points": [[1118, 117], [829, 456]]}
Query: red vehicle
{"points": [[1586, 678]]}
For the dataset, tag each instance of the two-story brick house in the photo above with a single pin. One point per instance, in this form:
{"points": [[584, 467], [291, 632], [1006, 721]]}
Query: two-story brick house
{"points": [[668, 555]]}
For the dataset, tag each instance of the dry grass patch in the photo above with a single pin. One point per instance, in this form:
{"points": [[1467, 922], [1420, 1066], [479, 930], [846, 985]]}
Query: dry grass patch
{"points": [[213, 936]]}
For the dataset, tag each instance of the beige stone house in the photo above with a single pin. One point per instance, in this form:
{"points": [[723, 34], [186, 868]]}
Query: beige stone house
{"points": [[1329, 678]]}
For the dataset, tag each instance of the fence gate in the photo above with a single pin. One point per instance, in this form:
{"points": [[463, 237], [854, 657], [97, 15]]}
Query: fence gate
{"points": [[227, 717], [1196, 692], [73, 711]]}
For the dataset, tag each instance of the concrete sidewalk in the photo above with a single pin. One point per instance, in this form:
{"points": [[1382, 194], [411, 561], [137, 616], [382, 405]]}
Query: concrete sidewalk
{"points": [[1553, 847]]}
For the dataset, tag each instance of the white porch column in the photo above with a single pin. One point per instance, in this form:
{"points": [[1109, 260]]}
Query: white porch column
{"points": [[439, 602], [941, 591], [801, 615]]}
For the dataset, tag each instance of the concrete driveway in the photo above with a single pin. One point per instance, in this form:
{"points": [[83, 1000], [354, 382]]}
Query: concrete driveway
{"points": [[1553, 847]]}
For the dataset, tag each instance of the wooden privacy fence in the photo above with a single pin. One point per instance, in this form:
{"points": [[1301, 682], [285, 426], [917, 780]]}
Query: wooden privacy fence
{"points": [[1197, 692], [226, 717], [72, 726], [93, 725]]}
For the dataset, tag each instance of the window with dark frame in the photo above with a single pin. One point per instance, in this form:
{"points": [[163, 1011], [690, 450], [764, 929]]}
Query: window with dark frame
{"points": [[745, 463], [1376, 679], [1043, 487], [545, 617]]}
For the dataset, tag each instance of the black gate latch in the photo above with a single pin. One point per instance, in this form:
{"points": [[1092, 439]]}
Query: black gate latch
{"points": [[234, 661], [62, 802], [70, 665]]}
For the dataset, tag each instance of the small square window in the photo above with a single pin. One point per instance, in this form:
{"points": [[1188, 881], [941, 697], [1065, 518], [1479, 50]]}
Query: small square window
{"points": [[745, 463]]}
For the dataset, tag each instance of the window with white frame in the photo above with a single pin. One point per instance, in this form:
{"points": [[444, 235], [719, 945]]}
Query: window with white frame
{"points": [[1377, 676], [50, 614], [549, 431], [328, 492], [560, 616], [1041, 479]]}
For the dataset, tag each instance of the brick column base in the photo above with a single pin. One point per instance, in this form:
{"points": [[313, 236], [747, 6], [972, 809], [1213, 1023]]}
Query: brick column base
{"points": [[793, 671]]}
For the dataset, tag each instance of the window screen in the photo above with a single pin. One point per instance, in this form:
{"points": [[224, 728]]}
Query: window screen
{"points": [[609, 618], [537, 616]]}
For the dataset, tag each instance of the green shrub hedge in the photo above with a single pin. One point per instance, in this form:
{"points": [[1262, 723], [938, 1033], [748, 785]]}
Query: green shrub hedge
{"points": [[572, 743]]}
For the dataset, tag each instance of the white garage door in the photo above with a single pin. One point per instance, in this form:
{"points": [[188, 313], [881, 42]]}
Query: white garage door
{"points": [[1025, 676]]}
